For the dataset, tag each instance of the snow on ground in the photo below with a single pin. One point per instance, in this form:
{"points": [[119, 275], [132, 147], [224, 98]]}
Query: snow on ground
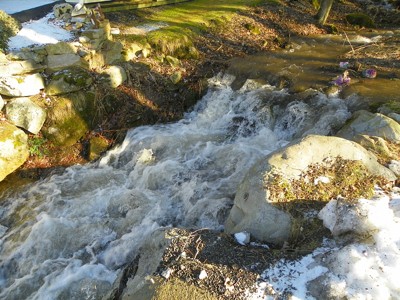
{"points": [[14, 6], [39, 32], [43, 31], [368, 269]]}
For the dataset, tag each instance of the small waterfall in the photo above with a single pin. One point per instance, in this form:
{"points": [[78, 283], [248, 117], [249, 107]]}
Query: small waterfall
{"points": [[68, 236]]}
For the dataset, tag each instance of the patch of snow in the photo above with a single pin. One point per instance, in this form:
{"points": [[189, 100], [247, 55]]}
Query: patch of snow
{"points": [[40, 32], [367, 269], [322, 179], [242, 238], [151, 26]]}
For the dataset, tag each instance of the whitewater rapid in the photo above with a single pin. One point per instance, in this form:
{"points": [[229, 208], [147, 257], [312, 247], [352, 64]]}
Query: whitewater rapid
{"points": [[68, 236]]}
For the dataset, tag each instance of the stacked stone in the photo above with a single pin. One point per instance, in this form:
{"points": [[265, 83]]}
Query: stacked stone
{"points": [[30, 76]]}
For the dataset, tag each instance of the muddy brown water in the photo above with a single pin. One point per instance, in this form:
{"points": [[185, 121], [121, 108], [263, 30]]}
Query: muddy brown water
{"points": [[313, 62]]}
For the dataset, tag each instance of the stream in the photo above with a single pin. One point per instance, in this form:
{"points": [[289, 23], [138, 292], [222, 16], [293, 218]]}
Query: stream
{"points": [[68, 236]]}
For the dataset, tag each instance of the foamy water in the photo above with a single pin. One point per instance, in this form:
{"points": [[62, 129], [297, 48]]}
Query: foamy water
{"points": [[68, 236]]}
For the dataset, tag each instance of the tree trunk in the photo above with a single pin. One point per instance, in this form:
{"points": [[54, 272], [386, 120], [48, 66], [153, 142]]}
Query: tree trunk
{"points": [[323, 11]]}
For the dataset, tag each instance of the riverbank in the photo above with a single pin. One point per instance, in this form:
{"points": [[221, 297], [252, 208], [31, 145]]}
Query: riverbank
{"points": [[266, 164], [215, 36]]}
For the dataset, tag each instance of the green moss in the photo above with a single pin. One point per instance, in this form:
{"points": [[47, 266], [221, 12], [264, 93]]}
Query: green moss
{"points": [[70, 118], [8, 28], [98, 145], [172, 41], [74, 76], [360, 19], [252, 28], [200, 14]]}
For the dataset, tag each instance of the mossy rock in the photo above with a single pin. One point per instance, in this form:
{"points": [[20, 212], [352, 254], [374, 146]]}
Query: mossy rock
{"points": [[359, 19], [252, 28], [70, 118], [8, 28], [98, 145], [68, 80], [173, 41]]}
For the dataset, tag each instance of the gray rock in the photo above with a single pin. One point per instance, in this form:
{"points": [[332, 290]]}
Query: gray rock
{"points": [[254, 212], [394, 166], [364, 122], [62, 61], [19, 67], [13, 148], [61, 48], [131, 52], [22, 112], [36, 54], [114, 76], [21, 85], [112, 52], [394, 116]]}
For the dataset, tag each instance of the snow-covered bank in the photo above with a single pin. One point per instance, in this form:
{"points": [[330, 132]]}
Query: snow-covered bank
{"points": [[40, 32], [367, 269]]}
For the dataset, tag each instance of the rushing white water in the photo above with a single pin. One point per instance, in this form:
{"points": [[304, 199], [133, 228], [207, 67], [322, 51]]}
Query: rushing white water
{"points": [[68, 236]]}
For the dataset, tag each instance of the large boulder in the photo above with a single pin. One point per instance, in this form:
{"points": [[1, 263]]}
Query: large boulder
{"points": [[254, 211], [13, 148], [22, 112], [367, 123], [69, 118], [68, 80], [21, 86]]}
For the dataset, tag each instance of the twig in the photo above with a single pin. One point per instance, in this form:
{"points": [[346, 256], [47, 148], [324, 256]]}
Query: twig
{"points": [[347, 38]]}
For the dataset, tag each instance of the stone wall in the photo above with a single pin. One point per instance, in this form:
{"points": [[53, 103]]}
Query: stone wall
{"points": [[50, 89]]}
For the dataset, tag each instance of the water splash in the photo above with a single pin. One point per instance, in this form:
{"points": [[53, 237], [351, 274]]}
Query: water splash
{"points": [[69, 235]]}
